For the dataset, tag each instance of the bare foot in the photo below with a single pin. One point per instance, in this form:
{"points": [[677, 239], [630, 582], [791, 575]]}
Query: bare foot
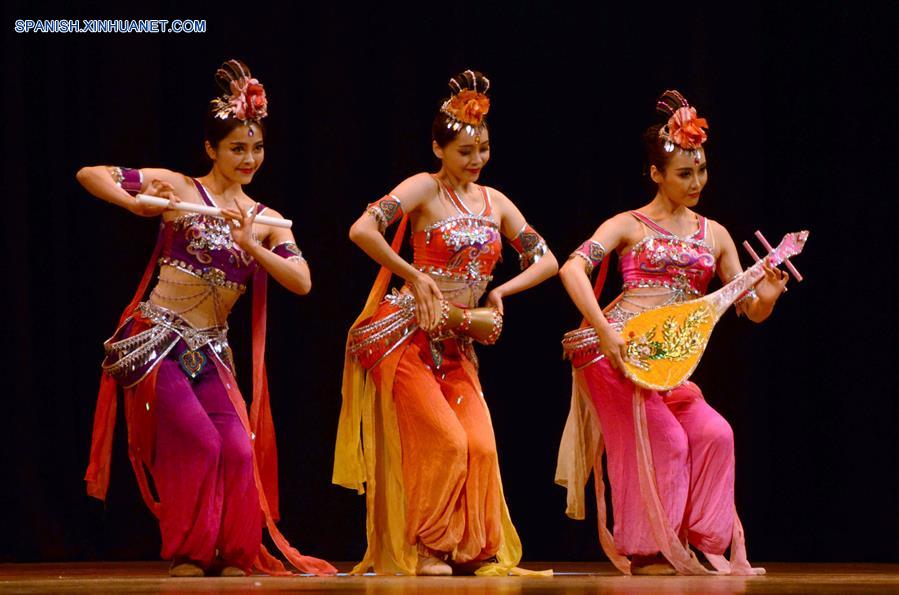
{"points": [[653, 565], [183, 567], [431, 566], [223, 568]]}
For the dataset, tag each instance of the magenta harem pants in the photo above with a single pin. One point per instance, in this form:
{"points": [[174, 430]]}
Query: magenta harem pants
{"points": [[203, 470], [692, 454]]}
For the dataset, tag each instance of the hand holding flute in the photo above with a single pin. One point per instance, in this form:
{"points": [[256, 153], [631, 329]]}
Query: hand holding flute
{"points": [[164, 198]]}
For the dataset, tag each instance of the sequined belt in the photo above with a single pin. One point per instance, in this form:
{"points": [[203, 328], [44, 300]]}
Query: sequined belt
{"points": [[130, 357], [371, 342], [581, 346]]}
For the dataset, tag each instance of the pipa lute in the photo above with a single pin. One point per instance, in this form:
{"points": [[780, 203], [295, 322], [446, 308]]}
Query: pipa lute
{"points": [[665, 344]]}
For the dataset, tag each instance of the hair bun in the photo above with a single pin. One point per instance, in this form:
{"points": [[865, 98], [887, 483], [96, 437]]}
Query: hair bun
{"points": [[469, 80], [232, 70], [684, 128], [244, 96], [465, 109], [669, 102]]}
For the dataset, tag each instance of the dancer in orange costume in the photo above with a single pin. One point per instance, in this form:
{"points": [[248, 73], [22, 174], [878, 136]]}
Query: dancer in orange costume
{"points": [[429, 462]]}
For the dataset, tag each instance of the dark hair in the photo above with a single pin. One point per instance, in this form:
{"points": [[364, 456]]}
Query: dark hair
{"points": [[441, 129], [655, 148], [215, 129], [667, 103]]}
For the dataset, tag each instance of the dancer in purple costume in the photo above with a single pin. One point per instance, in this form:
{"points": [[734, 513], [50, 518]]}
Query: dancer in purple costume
{"points": [[214, 466]]}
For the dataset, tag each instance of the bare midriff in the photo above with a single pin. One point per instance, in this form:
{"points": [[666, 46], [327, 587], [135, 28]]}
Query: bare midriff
{"points": [[638, 299], [200, 302]]}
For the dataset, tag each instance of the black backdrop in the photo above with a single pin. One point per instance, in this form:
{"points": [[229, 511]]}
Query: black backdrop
{"points": [[799, 102]]}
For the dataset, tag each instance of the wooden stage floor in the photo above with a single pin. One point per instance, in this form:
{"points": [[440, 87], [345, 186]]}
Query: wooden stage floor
{"points": [[577, 578]]}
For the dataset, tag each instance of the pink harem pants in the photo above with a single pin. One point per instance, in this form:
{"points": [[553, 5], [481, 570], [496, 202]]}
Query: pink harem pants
{"points": [[692, 454]]}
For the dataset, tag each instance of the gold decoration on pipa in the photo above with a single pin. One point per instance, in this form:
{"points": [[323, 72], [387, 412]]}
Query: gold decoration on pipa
{"points": [[663, 360]]}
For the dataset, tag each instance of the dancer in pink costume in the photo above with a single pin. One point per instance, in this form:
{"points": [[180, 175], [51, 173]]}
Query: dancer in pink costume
{"points": [[670, 455], [213, 463]]}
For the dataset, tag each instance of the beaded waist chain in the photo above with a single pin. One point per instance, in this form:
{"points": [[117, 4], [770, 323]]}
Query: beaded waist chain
{"points": [[210, 274], [130, 357]]}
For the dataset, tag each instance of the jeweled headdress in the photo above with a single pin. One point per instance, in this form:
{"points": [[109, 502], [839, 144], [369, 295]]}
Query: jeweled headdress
{"points": [[244, 96], [467, 106], [684, 129]]}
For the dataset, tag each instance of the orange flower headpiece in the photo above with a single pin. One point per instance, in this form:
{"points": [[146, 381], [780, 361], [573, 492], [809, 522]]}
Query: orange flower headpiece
{"points": [[684, 128], [467, 107], [244, 96]]}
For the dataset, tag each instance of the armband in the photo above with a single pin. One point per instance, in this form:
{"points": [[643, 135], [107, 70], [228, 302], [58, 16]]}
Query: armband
{"points": [[129, 180], [592, 252], [289, 251], [386, 211], [529, 245]]}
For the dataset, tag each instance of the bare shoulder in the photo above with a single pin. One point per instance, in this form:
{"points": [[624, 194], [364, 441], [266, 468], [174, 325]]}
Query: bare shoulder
{"points": [[718, 230], [270, 212], [498, 197], [248, 202], [510, 218], [501, 203], [176, 179], [416, 188], [183, 185], [618, 232], [274, 235], [496, 194], [623, 223], [722, 242]]}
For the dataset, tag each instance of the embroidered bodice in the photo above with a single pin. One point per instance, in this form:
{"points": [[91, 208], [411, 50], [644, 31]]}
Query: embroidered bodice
{"points": [[460, 252], [201, 245], [663, 268], [666, 260]]}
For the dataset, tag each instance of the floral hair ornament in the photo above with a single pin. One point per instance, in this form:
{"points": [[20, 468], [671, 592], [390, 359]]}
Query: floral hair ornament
{"points": [[684, 129], [244, 96], [467, 107]]}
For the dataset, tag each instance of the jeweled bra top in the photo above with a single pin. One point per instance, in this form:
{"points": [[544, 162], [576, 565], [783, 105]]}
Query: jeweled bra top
{"points": [[461, 250], [667, 260], [201, 245]]}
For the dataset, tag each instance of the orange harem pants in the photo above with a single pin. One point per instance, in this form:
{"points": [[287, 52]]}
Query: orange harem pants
{"points": [[453, 501]]}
